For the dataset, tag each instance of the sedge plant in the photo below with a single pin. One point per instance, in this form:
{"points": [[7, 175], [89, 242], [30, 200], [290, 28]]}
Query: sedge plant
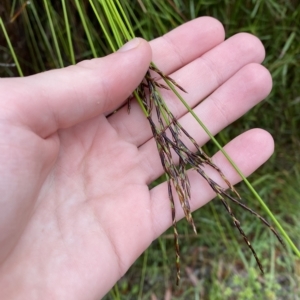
{"points": [[150, 100], [167, 132]]}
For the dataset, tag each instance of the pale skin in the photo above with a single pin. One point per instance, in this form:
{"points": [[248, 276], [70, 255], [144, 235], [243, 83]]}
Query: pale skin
{"points": [[76, 210]]}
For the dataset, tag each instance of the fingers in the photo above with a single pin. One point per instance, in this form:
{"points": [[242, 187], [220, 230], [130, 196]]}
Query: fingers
{"points": [[230, 101], [249, 151], [65, 97], [187, 42], [200, 78]]}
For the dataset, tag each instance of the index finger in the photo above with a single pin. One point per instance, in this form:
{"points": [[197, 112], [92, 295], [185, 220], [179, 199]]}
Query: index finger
{"points": [[179, 47]]}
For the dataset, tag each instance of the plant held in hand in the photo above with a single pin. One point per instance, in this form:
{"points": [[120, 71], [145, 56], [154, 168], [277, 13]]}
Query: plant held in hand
{"points": [[175, 155]]}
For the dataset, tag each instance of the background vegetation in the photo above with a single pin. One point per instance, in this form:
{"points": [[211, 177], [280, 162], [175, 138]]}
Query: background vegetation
{"points": [[215, 264]]}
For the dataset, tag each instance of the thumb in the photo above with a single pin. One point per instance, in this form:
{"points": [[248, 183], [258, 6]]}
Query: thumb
{"points": [[62, 98]]}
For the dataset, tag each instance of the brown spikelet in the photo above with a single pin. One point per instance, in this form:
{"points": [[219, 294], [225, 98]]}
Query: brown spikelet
{"points": [[168, 134]]}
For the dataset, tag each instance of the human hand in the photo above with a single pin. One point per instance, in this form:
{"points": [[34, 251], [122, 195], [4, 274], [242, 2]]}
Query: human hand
{"points": [[76, 211]]}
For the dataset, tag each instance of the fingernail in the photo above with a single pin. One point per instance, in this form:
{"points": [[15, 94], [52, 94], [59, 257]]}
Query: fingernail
{"points": [[130, 45]]}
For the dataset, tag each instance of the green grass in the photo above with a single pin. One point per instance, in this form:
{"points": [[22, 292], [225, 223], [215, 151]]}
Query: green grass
{"points": [[222, 265]]}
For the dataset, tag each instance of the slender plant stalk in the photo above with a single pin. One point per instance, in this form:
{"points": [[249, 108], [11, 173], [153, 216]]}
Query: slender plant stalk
{"points": [[33, 45], [53, 34], [13, 5], [86, 28], [144, 268], [40, 31], [129, 27], [71, 50], [14, 16], [109, 40], [12, 51]]}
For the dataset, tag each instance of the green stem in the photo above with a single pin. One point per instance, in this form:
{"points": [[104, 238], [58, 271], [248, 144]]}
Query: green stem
{"points": [[112, 24], [68, 32], [11, 48], [38, 28], [53, 34], [129, 27], [103, 27], [144, 269], [140, 102], [86, 30]]}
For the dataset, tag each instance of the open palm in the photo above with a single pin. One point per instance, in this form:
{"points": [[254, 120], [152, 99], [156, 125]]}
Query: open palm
{"points": [[76, 210]]}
